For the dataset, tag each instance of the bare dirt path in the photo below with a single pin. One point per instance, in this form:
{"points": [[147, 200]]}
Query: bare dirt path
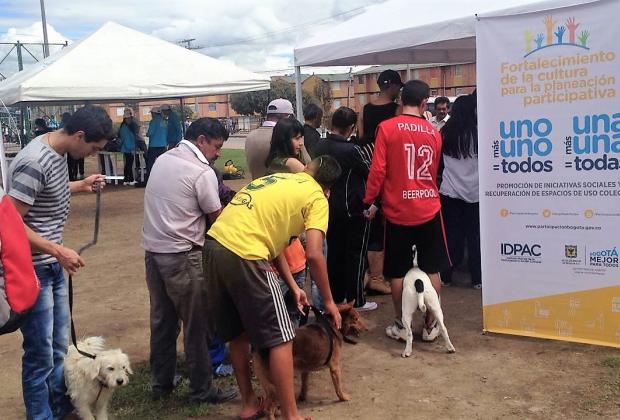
{"points": [[490, 376]]}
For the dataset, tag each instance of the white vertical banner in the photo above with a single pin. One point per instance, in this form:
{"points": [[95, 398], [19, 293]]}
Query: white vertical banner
{"points": [[4, 167], [549, 130]]}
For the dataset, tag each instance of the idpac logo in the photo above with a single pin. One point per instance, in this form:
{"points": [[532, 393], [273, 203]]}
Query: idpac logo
{"points": [[555, 36], [570, 251], [604, 258], [521, 250]]}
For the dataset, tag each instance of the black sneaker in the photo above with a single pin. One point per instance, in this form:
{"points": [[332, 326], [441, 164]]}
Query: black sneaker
{"points": [[158, 394], [216, 396]]}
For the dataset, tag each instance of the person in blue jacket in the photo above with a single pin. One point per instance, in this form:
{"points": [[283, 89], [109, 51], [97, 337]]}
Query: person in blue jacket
{"points": [[128, 133], [174, 132], [158, 140]]}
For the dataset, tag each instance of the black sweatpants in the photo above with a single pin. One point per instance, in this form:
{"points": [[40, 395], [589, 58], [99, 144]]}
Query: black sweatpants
{"points": [[128, 170], [462, 226], [347, 243]]}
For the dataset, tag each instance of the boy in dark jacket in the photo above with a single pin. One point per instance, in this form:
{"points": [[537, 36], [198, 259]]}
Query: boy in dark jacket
{"points": [[347, 237]]}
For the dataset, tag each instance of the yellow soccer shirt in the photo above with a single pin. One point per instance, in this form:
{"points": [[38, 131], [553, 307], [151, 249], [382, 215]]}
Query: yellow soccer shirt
{"points": [[264, 216]]}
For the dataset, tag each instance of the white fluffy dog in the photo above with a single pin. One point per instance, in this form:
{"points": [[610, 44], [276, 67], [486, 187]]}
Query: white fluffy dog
{"points": [[418, 292], [91, 382]]}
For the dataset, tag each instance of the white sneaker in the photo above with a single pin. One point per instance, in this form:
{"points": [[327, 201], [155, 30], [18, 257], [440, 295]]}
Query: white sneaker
{"points": [[132, 183], [368, 306], [396, 331], [478, 286], [125, 183], [430, 336]]}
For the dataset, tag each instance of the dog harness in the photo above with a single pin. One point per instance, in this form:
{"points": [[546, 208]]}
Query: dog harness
{"points": [[323, 323]]}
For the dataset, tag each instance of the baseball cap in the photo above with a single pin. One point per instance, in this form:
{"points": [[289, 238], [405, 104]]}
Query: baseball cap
{"points": [[156, 110], [280, 106], [389, 77], [165, 107]]}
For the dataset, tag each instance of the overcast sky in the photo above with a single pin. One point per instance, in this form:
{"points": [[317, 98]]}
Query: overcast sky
{"points": [[257, 35]]}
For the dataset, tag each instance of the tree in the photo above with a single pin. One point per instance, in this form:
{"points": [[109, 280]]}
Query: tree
{"points": [[187, 112], [250, 103], [323, 96]]}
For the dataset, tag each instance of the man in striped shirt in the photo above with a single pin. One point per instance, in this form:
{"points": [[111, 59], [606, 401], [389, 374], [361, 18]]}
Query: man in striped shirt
{"points": [[40, 190]]}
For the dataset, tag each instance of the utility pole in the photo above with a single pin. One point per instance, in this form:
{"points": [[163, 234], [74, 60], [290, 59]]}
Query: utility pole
{"points": [[46, 48], [20, 63], [349, 87], [187, 42]]}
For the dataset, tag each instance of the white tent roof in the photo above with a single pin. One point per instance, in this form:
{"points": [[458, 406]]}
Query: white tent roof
{"points": [[117, 62], [406, 32]]}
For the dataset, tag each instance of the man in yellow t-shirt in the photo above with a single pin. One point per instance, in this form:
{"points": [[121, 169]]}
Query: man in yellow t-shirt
{"points": [[245, 303]]}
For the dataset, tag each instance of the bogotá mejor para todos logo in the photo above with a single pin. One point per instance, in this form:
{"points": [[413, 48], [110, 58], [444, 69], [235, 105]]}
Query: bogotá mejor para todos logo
{"points": [[556, 38]]}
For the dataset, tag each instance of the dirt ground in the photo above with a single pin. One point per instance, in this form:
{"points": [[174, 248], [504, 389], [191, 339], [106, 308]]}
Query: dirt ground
{"points": [[490, 376]]}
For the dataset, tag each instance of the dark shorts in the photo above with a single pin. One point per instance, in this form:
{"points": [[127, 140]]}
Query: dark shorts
{"points": [[376, 236], [430, 241], [244, 295]]}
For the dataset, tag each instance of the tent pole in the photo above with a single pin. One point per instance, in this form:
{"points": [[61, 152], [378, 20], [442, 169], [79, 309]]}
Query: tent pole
{"points": [[4, 168], [298, 99], [182, 116]]}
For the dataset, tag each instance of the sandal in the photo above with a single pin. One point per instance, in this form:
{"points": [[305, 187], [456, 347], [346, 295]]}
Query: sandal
{"points": [[260, 413]]}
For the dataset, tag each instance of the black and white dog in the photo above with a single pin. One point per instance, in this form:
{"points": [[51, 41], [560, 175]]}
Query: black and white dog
{"points": [[418, 292]]}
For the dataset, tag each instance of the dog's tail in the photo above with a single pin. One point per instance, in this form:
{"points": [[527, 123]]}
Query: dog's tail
{"points": [[419, 288]]}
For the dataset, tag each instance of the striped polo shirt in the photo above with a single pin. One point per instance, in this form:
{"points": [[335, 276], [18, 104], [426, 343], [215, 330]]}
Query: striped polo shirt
{"points": [[40, 179]]}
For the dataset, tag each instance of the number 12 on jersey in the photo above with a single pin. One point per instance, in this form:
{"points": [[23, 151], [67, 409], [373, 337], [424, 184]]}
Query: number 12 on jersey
{"points": [[425, 152]]}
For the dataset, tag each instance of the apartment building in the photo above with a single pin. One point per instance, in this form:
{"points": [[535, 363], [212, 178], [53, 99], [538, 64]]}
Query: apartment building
{"points": [[345, 89]]}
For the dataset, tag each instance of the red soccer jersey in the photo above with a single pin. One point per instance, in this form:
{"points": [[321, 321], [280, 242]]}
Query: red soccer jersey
{"points": [[404, 170]]}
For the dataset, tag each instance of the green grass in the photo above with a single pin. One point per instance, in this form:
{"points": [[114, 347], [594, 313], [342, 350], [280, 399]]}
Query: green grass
{"points": [[236, 155], [610, 386], [133, 401], [612, 362]]}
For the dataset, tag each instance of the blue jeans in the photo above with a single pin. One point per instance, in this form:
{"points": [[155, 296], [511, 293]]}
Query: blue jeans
{"points": [[293, 312], [317, 299], [46, 338]]}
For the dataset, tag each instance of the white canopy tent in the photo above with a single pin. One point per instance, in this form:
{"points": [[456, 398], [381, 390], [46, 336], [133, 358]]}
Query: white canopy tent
{"points": [[401, 32], [119, 63], [116, 62]]}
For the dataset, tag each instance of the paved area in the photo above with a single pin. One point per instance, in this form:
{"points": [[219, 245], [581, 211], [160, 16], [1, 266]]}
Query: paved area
{"points": [[235, 142]]}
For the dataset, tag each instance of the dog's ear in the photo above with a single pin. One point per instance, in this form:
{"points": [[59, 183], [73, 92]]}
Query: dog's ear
{"points": [[344, 307], [126, 364], [89, 367]]}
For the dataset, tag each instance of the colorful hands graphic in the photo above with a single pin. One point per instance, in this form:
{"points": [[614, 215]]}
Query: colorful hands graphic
{"points": [[549, 24], [583, 38], [572, 28], [539, 40], [529, 38], [560, 34]]}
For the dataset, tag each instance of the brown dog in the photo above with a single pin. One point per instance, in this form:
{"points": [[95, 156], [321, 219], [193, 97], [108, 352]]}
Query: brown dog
{"points": [[315, 347]]}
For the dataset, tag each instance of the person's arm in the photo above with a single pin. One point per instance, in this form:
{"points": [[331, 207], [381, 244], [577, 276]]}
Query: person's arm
{"points": [[214, 215], [68, 258], [285, 273], [151, 129], [376, 177], [358, 160], [295, 165], [318, 270], [207, 193]]}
